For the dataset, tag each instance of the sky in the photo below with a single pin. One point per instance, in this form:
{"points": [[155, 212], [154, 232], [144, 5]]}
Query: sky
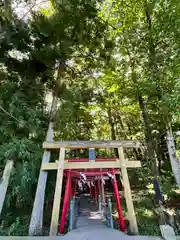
{"points": [[24, 9]]}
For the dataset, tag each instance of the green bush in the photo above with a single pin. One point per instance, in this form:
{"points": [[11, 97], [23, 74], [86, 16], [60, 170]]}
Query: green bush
{"points": [[149, 229], [17, 228]]}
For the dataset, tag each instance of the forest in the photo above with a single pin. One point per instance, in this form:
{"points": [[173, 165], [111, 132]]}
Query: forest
{"points": [[113, 67]]}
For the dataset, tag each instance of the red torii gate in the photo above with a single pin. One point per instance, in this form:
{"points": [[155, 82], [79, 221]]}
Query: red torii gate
{"points": [[70, 190], [70, 168]]}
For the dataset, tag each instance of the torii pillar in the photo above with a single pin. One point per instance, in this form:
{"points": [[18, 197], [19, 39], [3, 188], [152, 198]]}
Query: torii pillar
{"points": [[36, 223], [127, 192]]}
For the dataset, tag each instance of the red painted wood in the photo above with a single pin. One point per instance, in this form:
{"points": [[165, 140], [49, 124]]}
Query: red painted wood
{"points": [[99, 186], [90, 190], [65, 203], [97, 169], [118, 203], [103, 193], [72, 186], [92, 173], [75, 186], [95, 192]]}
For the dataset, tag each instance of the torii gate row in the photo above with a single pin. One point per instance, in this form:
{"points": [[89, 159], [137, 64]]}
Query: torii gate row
{"points": [[95, 180], [61, 164]]}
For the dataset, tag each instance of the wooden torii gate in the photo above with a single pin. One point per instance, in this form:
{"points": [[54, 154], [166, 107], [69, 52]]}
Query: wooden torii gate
{"points": [[61, 164]]}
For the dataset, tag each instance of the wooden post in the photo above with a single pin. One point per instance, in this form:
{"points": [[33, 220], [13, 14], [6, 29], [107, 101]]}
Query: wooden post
{"points": [[35, 227], [71, 215], [99, 186], [100, 195], [102, 189], [72, 189], [57, 195], [92, 154], [99, 204], [95, 191], [4, 182], [90, 190], [65, 203], [127, 193], [111, 223], [118, 204], [75, 187], [103, 196]]}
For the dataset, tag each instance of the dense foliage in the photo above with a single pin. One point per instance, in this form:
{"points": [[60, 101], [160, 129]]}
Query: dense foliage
{"points": [[114, 68]]}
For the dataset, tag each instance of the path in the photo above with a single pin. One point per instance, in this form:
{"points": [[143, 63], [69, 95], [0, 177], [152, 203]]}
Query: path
{"points": [[89, 227], [88, 214]]}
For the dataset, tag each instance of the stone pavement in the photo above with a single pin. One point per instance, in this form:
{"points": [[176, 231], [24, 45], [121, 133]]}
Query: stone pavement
{"points": [[88, 215], [101, 233], [90, 227]]}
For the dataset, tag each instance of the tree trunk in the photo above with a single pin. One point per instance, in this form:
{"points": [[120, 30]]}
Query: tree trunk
{"points": [[175, 164], [147, 128], [8, 9], [4, 183], [113, 132]]}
